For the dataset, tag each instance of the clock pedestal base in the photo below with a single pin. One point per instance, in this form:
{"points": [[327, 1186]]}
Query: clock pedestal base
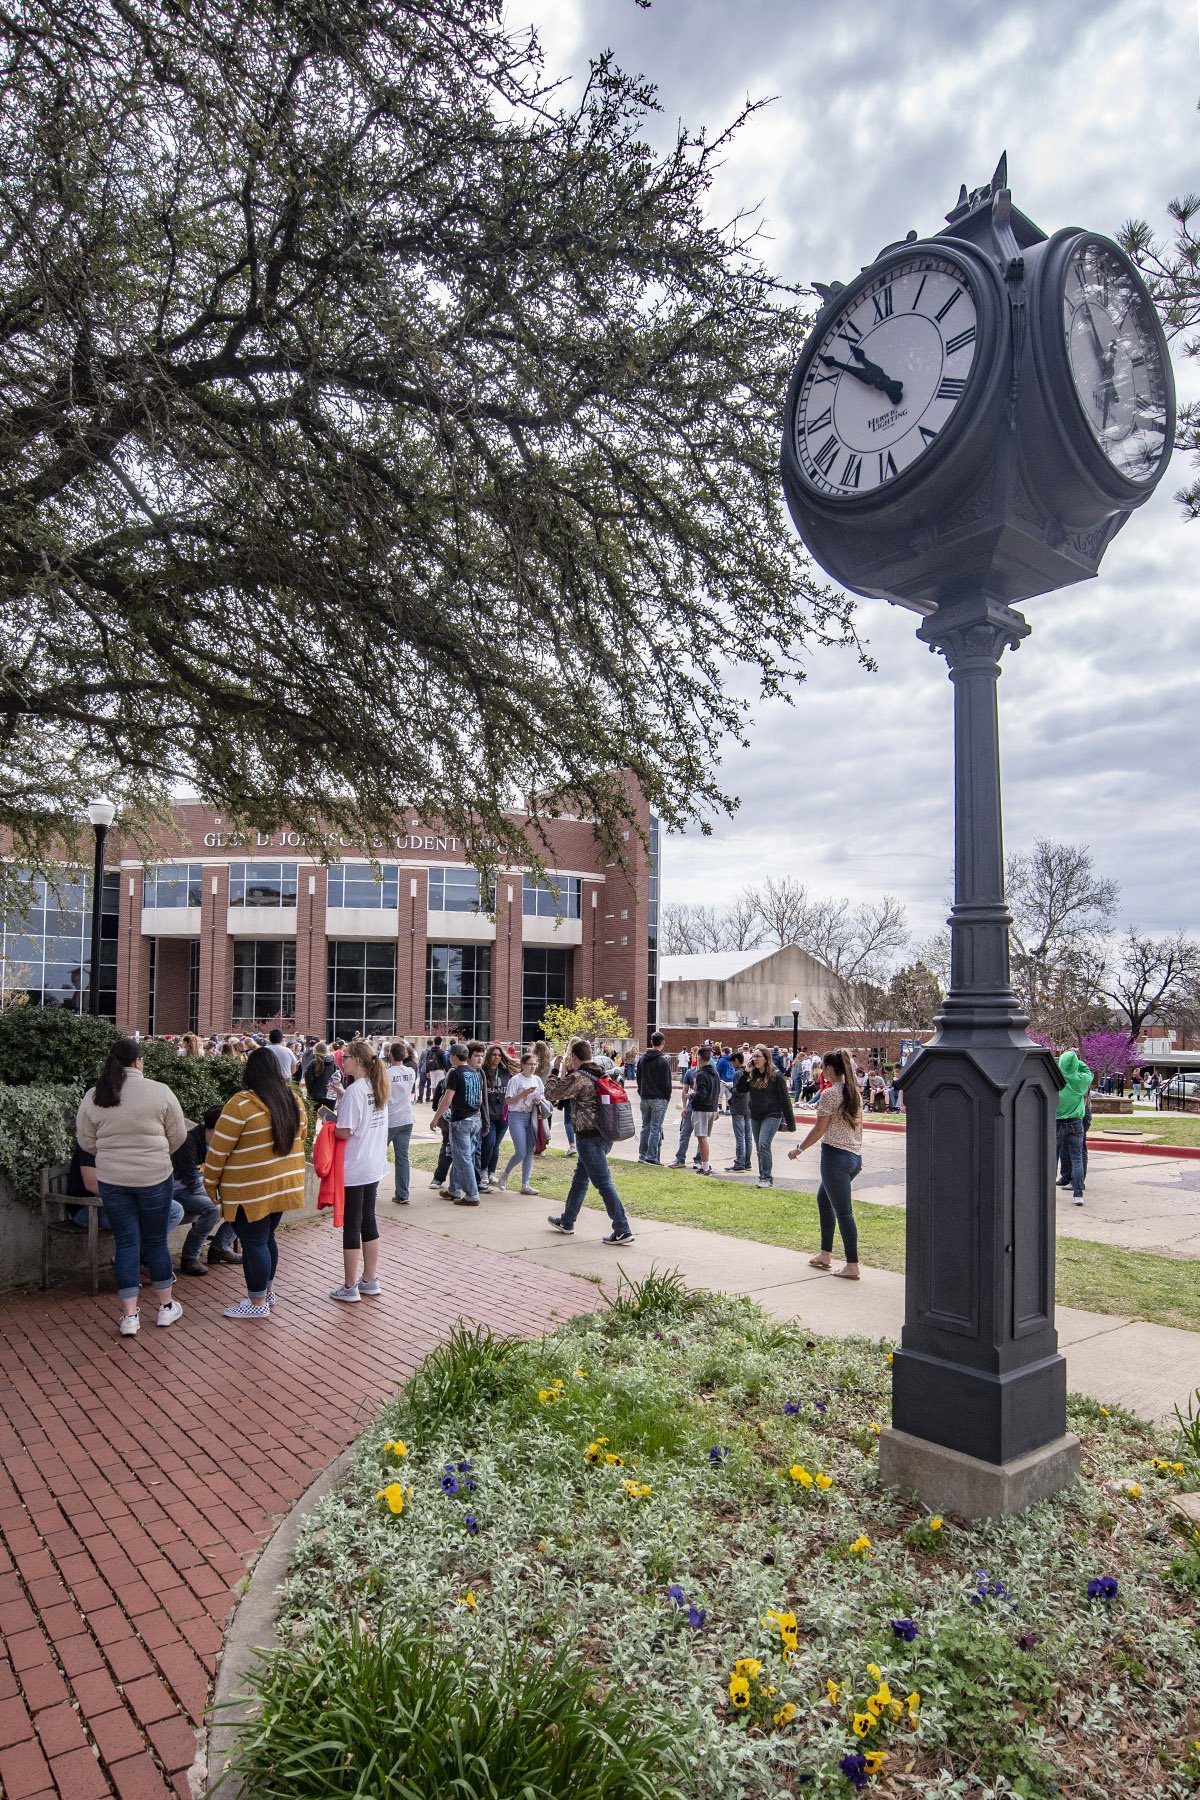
{"points": [[952, 1482]]}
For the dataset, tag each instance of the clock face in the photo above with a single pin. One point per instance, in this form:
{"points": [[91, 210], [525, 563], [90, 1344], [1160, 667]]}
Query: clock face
{"points": [[1115, 360], [888, 375]]}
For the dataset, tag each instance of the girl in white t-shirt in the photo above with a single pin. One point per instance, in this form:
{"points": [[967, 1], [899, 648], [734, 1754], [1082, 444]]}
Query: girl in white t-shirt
{"points": [[402, 1075], [362, 1120], [524, 1091]]}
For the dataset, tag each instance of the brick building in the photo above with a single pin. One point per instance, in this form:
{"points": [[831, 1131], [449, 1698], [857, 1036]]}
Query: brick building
{"points": [[217, 930]]}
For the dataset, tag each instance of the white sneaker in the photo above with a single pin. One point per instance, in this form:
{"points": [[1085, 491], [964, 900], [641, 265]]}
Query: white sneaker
{"points": [[500, 1185], [768, 1183], [371, 1289], [349, 1294], [1079, 1199], [168, 1314], [130, 1325], [249, 1309], [529, 1190]]}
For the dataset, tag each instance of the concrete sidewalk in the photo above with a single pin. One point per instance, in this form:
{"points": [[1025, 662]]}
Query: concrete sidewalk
{"points": [[1150, 1369]]}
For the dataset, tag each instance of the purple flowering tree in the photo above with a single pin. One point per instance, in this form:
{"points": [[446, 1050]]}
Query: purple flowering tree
{"points": [[1108, 1052]]}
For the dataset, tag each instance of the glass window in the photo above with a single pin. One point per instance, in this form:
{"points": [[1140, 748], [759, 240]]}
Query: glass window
{"points": [[264, 983], [544, 982], [262, 884], [172, 884], [458, 890], [361, 993], [542, 902], [458, 990], [46, 946], [352, 884]]}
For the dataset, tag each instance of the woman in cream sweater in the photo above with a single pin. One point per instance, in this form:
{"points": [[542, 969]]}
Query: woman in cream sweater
{"points": [[131, 1126], [254, 1170]]}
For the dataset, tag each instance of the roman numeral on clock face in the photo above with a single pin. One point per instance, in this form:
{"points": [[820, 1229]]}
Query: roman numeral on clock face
{"points": [[887, 465], [882, 303], [961, 341], [951, 388], [952, 301], [849, 332], [853, 469], [822, 422], [825, 455]]}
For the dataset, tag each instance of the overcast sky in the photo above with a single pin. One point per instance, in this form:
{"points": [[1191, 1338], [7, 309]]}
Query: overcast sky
{"points": [[883, 109]]}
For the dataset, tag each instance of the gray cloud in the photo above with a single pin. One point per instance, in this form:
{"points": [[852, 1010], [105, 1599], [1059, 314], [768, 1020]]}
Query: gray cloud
{"points": [[881, 111]]}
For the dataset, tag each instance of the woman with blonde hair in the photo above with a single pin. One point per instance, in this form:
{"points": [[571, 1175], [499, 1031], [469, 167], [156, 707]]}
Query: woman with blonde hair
{"points": [[190, 1045], [838, 1129], [362, 1120]]}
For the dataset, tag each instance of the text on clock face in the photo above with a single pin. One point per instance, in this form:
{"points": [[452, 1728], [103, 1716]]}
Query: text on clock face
{"points": [[886, 377]]}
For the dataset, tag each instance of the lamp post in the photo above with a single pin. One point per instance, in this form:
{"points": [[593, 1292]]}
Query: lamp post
{"points": [[795, 1025], [101, 814]]}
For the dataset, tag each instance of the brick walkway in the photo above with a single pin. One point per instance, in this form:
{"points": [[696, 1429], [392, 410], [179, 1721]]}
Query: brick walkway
{"points": [[140, 1476]]}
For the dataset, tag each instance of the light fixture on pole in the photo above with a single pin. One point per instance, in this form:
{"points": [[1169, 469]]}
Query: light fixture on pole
{"points": [[101, 813], [795, 1025]]}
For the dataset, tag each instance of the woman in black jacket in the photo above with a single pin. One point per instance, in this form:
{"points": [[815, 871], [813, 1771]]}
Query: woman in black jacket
{"points": [[770, 1107]]}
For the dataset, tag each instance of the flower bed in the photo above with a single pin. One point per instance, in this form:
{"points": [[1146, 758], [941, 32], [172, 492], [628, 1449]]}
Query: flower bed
{"points": [[679, 1500]]}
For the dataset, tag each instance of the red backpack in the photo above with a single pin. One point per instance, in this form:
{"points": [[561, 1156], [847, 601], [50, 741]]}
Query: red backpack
{"points": [[616, 1113]]}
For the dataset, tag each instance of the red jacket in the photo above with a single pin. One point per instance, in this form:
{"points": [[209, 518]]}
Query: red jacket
{"points": [[329, 1158]]}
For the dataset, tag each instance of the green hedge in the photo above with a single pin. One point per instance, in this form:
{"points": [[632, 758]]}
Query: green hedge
{"points": [[37, 1125], [197, 1082], [40, 1044]]}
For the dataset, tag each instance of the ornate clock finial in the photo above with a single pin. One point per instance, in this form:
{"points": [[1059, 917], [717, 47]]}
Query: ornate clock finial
{"points": [[1000, 178], [827, 290]]}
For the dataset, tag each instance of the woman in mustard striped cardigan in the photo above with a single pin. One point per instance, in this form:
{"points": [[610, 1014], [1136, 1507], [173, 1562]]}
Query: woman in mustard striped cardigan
{"points": [[254, 1169]]}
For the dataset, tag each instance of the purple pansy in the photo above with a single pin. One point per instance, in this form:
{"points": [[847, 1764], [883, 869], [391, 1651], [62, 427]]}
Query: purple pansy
{"points": [[696, 1617], [471, 1523], [1103, 1587], [854, 1768], [448, 1484], [717, 1454], [905, 1630], [675, 1594], [791, 1407]]}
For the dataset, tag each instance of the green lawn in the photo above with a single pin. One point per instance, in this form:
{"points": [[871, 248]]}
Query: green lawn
{"points": [[1162, 1128], [1096, 1277]]}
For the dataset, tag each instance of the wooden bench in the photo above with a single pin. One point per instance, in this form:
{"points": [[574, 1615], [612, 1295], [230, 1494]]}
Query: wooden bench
{"points": [[55, 1195]]}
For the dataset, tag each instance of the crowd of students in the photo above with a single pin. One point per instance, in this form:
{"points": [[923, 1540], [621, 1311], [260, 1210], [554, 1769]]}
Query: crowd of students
{"points": [[242, 1167]]}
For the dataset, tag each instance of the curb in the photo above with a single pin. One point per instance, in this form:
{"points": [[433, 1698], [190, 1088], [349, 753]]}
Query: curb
{"points": [[1096, 1141], [251, 1627]]}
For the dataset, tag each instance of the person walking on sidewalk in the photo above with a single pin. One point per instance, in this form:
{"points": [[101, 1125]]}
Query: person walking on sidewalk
{"points": [[402, 1079], [653, 1077], [838, 1129], [525, 1089], [1068, 1123], [464, 1097], [254, 1170], [706, 1098], [770, 1107], [132, 1126], [739, 1118], [362, 1122], [575, 1084]]}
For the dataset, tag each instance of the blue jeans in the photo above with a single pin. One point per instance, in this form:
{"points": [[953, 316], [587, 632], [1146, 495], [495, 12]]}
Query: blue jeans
{"points": [[593, 1167], [653, 1114], [838, 1169], [398, 1138], [464, 1155], [743, 1137], [204, 1215], [1072, 1152], [567, 1125], [685, 1135], [260, 1252], [140, 1217], [523, 1126], [489, 1154], [764, 1131]]}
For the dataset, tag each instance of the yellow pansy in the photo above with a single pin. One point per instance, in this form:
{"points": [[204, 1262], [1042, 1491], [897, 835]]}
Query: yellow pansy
{"points": [[935, 1524], [874, 1707], [548, 1396], [895, 1709], [636, 1490], [395, 1495], [747, 1666], [1133, 1490], [861, 1546], [468, 1600], [889, 1356], [912, 1701], [833, 1692], [883, 1693], [739, 1690], [1178, 1468], [874, 1671], [582, 1374], [786, 1713], [863, 1722], [799, 1473], [823, 1481], [873, 1761], [396, 1447], [614, 1461], [876, 1427]]}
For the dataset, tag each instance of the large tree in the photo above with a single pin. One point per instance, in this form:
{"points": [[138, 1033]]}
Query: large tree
{"points": [[382, 431], [1154, 980], [1062, 907]]}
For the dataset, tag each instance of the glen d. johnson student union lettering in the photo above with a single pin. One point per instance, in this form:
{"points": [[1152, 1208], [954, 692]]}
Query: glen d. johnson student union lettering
{"points": [[247, 931]]}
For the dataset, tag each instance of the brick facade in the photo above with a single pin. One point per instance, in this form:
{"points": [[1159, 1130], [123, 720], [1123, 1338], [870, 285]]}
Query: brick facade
{"points": [[609, 961]]}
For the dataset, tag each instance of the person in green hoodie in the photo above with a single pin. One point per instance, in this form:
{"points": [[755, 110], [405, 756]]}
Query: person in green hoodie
{"points": [[1069, 1126]]}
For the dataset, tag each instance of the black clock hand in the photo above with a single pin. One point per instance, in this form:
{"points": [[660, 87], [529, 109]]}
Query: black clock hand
{"points": [[893, 389], [875, 380]]}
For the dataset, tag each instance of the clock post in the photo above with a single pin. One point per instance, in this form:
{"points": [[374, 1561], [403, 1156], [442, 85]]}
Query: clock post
{"points": [[1034, 413]]}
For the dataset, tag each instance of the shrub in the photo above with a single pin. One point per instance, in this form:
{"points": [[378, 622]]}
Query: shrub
{"points": [[457, 1381], [49, 1044], [196, 1082], [410, 1716], [37, 1125]]}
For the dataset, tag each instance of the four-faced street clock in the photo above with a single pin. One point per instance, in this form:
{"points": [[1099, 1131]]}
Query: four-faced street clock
{"points": [[978, 411]]}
